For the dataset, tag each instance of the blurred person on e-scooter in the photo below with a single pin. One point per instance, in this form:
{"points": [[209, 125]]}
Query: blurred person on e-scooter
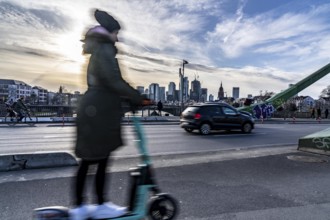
{"points": [[99, 116]]}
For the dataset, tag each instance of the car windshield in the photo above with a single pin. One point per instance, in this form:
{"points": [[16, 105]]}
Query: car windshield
{"points": [[190, 109]]}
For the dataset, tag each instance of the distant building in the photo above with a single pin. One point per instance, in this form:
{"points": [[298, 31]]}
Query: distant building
{"points": [[221, 94], [184, 88], [161, 94], [13, 89], [171, 92], [177, 94], [75, 98], [195, 91], [203, 97], [211, 98], [39, 95], [154, 92], [235, 92], [140, 89], [51, 98], [304, 103]]}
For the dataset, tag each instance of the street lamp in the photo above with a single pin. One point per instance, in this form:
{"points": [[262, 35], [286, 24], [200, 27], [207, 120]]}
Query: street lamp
{"points": [[184, 62]]}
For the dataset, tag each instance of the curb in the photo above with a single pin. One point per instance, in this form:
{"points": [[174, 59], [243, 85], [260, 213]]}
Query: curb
{"points": [[318, 142], [36, 161]]}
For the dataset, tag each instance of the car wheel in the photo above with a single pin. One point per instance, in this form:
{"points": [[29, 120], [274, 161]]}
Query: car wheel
{"points": [[247, 128], [189, 130], [205, 129]]}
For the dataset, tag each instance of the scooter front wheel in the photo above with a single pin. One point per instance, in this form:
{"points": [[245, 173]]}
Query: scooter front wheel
{"points": [[163, 207]]}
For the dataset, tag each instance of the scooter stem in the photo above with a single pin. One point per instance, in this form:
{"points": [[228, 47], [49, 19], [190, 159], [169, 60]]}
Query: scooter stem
{"points": [[141, 141]]}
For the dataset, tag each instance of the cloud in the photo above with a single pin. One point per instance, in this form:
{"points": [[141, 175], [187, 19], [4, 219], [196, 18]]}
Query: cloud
{"points": [[219, 38], [19, 16], [265, 32], [31, 29]]}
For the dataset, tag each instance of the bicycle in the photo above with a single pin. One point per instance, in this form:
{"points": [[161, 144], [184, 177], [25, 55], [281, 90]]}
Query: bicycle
{"points": [[12, 117]]}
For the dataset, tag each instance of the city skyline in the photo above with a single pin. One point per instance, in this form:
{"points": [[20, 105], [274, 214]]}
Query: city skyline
{"points": [[251, 44], [226, 93]]}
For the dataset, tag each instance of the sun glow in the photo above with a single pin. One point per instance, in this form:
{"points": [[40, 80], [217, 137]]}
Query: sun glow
{"points": [[70, 47]]}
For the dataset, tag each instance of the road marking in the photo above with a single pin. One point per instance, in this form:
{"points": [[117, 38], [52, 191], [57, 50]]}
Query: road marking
{"points": [[233, 135]]}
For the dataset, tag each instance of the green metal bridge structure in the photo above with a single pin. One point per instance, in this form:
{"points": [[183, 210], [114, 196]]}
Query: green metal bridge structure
{"points": [[318, 142], [280, 98]]}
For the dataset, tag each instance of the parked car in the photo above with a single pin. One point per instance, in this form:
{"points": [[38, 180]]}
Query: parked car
{"points": [[216, 116]]}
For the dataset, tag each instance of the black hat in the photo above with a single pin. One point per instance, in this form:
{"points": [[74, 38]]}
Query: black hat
{"points": [[106, 20]]}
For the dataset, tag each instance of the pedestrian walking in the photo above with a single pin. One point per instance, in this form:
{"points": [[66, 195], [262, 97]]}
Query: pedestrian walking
{"points": [[326, 113], [160, 107], [99, 116], [313, 113], [319, 116]]}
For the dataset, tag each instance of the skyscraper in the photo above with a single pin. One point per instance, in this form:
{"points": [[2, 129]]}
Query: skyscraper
{"points": [[203, 97], [184, 92], [195, 91], [154, 91], [161, 93], [171, 92], [235, 92]]}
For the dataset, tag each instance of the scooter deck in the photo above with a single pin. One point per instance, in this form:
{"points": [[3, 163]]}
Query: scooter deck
{"points": [[123, 217]]}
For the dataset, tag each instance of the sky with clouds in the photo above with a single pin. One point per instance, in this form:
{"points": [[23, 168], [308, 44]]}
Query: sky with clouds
{"points": [[256, 45]]}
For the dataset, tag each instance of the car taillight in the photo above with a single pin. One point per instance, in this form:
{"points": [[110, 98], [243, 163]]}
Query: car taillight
{"points": [[197, 116]]}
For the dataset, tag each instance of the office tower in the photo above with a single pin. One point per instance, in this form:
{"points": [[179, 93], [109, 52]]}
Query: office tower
{"points": [[184, 92], [195, 91], [171, 92], [235, 92], [203, 97], [162, 94], [154, 91]]}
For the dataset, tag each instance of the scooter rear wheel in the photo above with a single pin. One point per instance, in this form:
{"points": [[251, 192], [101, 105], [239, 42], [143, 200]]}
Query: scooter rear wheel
{"points": [[163, 207]]}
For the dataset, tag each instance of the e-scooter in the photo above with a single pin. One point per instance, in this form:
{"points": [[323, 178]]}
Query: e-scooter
{"points": [[161, 206]]}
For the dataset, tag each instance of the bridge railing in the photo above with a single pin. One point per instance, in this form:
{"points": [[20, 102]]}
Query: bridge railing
{"points": [[70, 111], [46, 110]]}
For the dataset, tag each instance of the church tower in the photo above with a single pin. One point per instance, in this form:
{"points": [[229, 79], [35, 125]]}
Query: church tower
{"points": [[221, 92]]}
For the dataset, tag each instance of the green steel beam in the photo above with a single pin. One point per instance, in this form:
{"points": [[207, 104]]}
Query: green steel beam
{"points": [[278, 99]]}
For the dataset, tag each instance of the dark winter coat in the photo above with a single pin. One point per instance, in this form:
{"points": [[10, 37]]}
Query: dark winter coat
{"points": [[99, 113]]}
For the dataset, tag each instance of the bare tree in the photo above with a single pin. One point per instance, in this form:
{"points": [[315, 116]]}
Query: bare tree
{"points": [[325, 92]]}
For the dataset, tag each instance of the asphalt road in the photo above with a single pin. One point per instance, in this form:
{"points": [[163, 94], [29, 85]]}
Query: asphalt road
{"points": [[230, 175], [247, 186], [161, 139]]}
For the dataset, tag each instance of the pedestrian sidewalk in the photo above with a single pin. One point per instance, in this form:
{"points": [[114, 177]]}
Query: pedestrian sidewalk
{"points": [[294, 120]]}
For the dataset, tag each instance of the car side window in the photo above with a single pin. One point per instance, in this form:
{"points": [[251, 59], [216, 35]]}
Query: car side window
{"points": [[216, 110], [228, 111], [211, 110], [205, 110]]}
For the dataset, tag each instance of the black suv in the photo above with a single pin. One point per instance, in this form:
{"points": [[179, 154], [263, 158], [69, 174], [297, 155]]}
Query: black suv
{"points": [[215, 116]]}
